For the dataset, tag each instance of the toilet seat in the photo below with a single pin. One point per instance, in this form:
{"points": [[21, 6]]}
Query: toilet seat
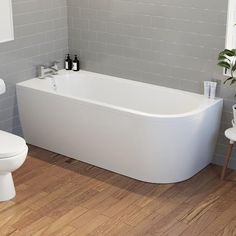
{"points": [[11, 145]]}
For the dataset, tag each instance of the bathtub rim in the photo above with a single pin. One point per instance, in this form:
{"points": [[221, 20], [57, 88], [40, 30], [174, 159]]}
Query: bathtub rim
{"points": [[201, 108]]}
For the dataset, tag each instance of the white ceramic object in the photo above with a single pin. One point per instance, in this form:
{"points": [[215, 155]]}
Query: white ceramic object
{"points": [[2, 87], [147, 132], [13, 152]]}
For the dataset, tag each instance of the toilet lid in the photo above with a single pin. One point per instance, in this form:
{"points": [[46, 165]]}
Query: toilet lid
{"points": [[10, 145]]}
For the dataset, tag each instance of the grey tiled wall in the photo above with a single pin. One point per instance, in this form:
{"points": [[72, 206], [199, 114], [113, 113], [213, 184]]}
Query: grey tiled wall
{"points": [[41, 36], [165, 42], [172, 43]]}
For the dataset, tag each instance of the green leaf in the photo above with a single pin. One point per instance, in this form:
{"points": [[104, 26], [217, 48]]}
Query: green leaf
{"points": [[221, 54], [233, 81], [222, 57], [230, 78], [234, 51], [224, 64], [228, 52]]}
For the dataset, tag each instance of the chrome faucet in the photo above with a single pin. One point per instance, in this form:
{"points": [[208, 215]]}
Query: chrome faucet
{"points": [[55, 68], [45, 71]]}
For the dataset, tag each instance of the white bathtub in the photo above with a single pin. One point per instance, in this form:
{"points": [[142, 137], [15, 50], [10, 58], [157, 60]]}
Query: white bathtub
{"points": [[150, 133]]}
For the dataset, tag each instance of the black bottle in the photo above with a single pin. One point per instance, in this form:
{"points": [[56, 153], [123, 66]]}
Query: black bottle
{"points": [[68, 63], [76, 64]]}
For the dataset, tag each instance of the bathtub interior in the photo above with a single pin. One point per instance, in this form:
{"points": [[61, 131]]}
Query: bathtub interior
{"points": [[109, 90]]}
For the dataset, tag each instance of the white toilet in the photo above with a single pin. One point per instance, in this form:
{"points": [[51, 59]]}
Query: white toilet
{"points": [[13, 152]]}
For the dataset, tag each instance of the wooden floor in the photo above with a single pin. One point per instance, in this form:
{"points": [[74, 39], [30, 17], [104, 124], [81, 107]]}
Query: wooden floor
{"points": [[60, 196]]}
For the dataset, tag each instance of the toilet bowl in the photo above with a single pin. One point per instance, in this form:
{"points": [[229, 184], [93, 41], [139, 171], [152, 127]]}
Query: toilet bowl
{"points": [[13, 152]]}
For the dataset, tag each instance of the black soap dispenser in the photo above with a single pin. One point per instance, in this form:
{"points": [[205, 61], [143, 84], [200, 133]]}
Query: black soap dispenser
{"points": [[68, 63], [76, 65]]}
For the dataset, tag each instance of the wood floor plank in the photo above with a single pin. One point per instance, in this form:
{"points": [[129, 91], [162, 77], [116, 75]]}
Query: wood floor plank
{"points": [[111, 227], [174, 228], [229, 229], [205, 218], [143, 228], [65, 231], [62, 222], [222, 221], [87, 222], [57, 195], [34, 227], [7, 230]]}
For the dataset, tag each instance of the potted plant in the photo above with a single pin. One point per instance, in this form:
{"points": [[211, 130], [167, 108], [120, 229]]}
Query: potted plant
{"points": [[227, 60]]}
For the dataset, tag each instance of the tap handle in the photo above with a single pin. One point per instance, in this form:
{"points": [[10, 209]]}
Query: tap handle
{"points": [[42, 66], [55, 64]]}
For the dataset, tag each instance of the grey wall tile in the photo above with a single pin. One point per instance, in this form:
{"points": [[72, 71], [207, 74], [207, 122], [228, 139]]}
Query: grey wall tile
{"points": [[165, 42], [41, 36]]}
